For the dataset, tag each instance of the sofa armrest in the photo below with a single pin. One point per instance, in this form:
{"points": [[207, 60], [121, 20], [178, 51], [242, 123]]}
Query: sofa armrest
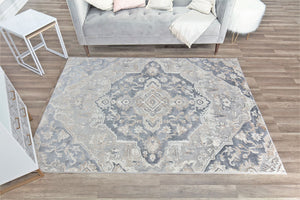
{"points": [[78, 10], [224, 10]]}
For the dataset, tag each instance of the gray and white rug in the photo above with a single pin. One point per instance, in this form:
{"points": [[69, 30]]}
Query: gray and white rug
{"points": [[154, 115]]}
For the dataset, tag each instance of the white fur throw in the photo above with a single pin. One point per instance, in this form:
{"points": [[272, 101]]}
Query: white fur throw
{"points": [[246, 16]]}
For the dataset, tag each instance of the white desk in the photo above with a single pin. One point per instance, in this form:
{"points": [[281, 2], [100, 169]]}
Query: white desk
{"points": [[27, 25]]}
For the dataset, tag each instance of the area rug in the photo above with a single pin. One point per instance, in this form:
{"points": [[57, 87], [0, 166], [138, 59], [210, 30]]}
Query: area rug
{"points": [[154, 115]]}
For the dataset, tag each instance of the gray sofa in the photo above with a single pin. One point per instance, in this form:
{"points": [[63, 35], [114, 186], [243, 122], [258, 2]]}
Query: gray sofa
{"points": [[141, 25], [9, 8]]}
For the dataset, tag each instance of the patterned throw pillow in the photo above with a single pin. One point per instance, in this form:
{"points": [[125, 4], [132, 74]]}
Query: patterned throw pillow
{"points": [[102, 4], [203, 6], [127, 4], [161, 4]]}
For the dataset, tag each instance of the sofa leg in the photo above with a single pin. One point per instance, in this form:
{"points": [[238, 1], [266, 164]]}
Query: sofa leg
{"points": [[217, 48], [86, 49]]}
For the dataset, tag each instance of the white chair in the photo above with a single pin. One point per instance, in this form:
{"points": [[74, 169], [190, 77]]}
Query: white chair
{"points": [[246, 17]]}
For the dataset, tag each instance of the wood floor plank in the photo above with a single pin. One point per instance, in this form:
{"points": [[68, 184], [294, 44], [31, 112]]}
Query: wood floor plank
{"points": [[270, 60], [288, 191]]}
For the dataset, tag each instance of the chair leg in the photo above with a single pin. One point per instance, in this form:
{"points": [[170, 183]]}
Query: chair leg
{"points": [[217, 48], [237, 35], [248, 36], [86, 49], [232, 38]]}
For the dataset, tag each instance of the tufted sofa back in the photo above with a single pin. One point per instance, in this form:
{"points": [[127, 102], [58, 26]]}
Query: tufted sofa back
{"points": [[181, 2]]}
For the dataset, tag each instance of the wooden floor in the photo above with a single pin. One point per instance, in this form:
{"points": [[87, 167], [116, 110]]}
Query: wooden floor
{"points": [[271, 63]]}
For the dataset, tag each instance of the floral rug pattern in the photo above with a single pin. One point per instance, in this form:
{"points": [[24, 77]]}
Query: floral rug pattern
{"points": [[154, 115]]}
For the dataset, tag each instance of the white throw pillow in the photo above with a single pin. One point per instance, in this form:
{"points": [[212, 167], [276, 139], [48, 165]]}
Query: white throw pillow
{"points": [[101, 4], [190, 26], [127, 4], [161, 4], [203, 6]]}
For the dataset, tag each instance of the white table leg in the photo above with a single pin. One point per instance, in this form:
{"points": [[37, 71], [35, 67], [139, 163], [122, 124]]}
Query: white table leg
{"points": [[13, 50], [34, 56], [15, 47], [12, 46], [62, 44], [65, 54], [43, 41]]}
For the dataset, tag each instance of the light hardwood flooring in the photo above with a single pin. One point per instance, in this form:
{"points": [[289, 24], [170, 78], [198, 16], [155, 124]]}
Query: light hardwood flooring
{"points": [[271, 63]]}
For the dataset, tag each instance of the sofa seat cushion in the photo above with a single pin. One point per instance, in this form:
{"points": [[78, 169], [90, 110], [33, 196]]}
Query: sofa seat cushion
{"points": [[138, 22]]}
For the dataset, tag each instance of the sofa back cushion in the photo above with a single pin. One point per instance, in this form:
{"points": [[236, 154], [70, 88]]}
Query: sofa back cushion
{"points": [[181, 2]]}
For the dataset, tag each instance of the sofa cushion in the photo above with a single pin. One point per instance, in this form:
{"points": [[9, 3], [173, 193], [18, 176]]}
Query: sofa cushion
{"points": [[137, 22]]}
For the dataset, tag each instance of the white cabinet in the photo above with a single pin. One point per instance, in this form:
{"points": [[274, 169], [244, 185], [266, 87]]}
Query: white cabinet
{"points": [[17, 153]]}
